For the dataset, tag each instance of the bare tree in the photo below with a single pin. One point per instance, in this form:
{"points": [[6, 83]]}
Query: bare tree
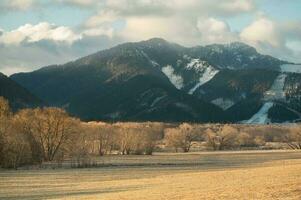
{"points": [[222, 137], [14, 148], [137, 138], [180, 137], [126, 135], [5, 115], [212, 139], [4, 126], [23, 123], [172, 138], [293, 138], [245, 139], [53, 128], [101, 137], [151, 135], [17, 151]]}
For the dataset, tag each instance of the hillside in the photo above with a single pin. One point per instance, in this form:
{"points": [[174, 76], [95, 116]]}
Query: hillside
{"points": [[159, 81], [18, 96]]}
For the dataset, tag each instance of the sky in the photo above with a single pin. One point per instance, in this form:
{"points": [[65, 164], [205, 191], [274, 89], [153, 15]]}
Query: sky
{"points": [[37, 33]]}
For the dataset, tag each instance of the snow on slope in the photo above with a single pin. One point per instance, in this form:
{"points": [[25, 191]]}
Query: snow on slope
{"points": [[223, 103], [261, 117], [291, 68], [154, 63], [157, 100], [276, 91], [206, 71], [175, 79]]}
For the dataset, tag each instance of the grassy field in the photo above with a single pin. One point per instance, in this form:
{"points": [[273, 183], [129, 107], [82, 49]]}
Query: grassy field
{"points": [[225, 175]]}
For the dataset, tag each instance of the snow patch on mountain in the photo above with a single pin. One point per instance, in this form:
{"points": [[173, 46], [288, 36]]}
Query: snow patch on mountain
{"points": [[154, 63], [197, 64], [223, 103], [207, 76], [175, 79], [157, 100], [261, 117], [276, 91], [206, 71], [253, 57], [291, 68]]}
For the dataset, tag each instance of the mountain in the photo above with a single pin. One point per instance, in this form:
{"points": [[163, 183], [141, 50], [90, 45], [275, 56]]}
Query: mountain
{"points": [[160, 81], [18, 96]]}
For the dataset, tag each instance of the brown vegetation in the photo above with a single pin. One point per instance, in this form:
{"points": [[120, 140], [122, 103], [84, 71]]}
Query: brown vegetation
{"points": [[33, 136]]}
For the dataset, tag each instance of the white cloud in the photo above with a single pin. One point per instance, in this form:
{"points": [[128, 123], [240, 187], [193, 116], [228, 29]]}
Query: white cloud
{"points": [[42, 31], [279, 39], [30, 56], [84, 3], [262, 30], [16, 4], [237, 6], [101, 19], [215, 31], [32, 46], [147, 27], [178, 29], [189, 23], [172, 7], [185, 22], [98, 31]]}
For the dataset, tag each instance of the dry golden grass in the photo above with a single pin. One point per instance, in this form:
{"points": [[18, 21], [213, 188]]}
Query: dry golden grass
{"points": [[269, 179]]}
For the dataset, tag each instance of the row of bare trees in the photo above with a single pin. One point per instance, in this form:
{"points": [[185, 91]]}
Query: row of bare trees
{"points": [[123, 138], [225, 136], [33, 136]]}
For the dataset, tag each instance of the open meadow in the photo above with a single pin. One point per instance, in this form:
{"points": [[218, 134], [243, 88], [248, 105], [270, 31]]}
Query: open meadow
{"points": [[207, 175]]}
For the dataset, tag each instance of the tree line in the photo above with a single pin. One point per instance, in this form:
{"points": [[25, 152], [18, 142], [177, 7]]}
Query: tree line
{"points": [[34, 136]]}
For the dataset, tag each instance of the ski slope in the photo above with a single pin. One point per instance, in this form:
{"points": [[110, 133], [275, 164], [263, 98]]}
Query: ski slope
{"points": [[261, 117], [276, 91]]}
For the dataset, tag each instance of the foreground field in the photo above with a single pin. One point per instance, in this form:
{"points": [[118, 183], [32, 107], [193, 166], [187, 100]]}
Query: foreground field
{"points": [[239, 175]]}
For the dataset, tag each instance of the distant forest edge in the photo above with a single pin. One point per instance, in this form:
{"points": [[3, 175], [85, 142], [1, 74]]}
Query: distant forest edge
{"points": [[32, 137]]}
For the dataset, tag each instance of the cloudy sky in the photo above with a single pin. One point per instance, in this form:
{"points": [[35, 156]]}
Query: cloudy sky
{"points": [[36, 33]]}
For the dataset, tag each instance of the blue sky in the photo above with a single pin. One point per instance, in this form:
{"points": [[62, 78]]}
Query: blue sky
{"points": [[56, 31]]}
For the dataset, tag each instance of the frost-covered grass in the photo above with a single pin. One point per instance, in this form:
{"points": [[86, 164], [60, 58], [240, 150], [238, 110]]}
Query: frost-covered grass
{"points": [[225, 175]]}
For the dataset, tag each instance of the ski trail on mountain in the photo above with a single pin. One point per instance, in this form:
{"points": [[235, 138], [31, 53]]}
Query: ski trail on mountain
{"points": [[274, 93], [261, 117], [206, 71], [207, 76]]}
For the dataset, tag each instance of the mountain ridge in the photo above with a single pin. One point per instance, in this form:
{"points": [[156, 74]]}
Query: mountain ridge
{"points": [[108, 84], [18, 96]]}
